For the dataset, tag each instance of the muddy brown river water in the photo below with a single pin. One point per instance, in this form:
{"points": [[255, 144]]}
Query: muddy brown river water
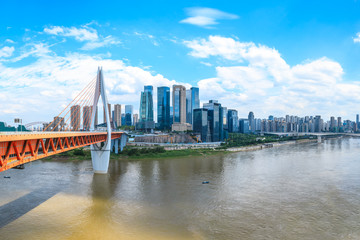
{"points": [[304, 191]]}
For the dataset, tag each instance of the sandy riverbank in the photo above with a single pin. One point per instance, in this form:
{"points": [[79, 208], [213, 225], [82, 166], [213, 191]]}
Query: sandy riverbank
{"points": [[268, 145]]}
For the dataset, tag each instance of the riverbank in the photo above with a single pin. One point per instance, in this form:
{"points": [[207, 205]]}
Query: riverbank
{"points": [[268, 145], [137, 153]]}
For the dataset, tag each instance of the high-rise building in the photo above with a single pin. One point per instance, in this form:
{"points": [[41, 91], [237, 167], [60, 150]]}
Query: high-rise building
{"points": [[57, 125], [123, 119], [357, 121], [332, 124], [146, 104], [146, 113], [96, 116], [109, 109], [188, 107], [179, 109], [135, 119], [163, 107], [340, 125], [75, 117], [179, 104], [128, 115], [86, 117], [244, 126], [318, 123], [225, 117], [215, 119], [192, 102], [117, 115], [171, 115], [251, 119], [200, 124], [233, 122]]}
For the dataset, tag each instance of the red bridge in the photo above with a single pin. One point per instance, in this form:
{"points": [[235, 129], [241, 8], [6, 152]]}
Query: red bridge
{"points": [[63, 134], [17, 149]]}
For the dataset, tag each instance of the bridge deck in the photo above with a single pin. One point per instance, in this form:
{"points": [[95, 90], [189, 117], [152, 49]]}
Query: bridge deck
{"points": [[17, 148]]}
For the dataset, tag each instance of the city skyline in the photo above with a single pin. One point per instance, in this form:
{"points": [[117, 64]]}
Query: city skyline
{"points": [[302, 66]]}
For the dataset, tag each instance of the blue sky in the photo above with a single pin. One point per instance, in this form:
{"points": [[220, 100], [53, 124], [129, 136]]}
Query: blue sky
{"points": [[271, 57]]}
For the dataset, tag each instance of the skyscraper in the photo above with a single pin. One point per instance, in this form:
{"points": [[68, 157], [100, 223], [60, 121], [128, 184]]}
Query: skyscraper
{"points": [[340, 125], [163, 107], [75, 117], [188, 107], [146, 109], [225, 117], [251, 119], [244, 126], [123, 119], [192, 102], [215, 119], [128, 115], [117, 115], [96, 116], [86, 118], [135, 119], [109, 109], [179, 104], [200, 123], [318, 123], [233, 122], [146, 104]]}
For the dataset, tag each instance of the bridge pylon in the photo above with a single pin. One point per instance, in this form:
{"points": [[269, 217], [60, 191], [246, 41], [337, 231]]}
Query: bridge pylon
{"points": [[100, 152]]}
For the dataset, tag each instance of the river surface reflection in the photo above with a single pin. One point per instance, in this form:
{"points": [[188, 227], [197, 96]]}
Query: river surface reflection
{"points": [[304, 191]]}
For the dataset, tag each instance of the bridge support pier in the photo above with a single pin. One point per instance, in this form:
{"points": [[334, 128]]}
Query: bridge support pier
{"points": [[123, 141], [319, 139], [118, 143], [100, 159]]}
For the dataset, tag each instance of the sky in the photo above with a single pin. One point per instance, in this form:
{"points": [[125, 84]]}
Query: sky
{"points": [[270, 57]]}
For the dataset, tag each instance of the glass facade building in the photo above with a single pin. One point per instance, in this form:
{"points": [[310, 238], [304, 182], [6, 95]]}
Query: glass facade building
{"points": [[146, 104], [179, 104], [163, 107], [233, 122], [244, 126], [251, 119], [200, 124], [192, 102], [215, 118], [128, 115]]}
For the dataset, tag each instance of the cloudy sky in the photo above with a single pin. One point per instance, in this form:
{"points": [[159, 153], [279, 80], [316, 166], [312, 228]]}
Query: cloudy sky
{"points": [[270, 57]]}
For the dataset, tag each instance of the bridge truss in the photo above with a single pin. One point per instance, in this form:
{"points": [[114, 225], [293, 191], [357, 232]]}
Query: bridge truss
{"points": [[17, 149]]}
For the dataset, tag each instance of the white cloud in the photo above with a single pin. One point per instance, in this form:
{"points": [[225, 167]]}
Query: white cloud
{"points": [[205, 17], [40, 90], [357, 38], [6, 51], [263, 82], [32, 49], [80, 34], [149, 37], [83, 34], [107, 41], [206, 64], [9, 41]]}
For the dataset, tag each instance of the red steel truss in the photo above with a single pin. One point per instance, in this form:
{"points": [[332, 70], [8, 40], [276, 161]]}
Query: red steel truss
{"points": [[17, 149]]}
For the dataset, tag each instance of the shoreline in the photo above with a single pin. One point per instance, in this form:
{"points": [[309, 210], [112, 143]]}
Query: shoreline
{"points": [[178, 152], [268, 145]]}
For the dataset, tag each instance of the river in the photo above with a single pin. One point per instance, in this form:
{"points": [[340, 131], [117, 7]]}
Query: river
{"points": [[303, 191]]}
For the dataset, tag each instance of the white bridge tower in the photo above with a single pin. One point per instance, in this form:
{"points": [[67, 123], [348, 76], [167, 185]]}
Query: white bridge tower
{"points": [[100, 152]]}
